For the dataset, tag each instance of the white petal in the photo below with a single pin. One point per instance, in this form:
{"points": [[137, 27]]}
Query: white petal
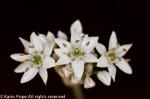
{"points": [[76, 39], [20, 57], [64, 45], [89, 43], [48, 62], [22, 67], [76, 27], [58, 52], [104, 77], [78, 67], [62, 35], [101, 48], [89, 83], [24, 42], [64, 60], [44, 75], [43, 38], [90, 58], [48, 48], [35, 40], [50, 37], [30, 74], [102, 62], [113, 43], [122, 50], [26, 45], [124, 66], [112, 71]]}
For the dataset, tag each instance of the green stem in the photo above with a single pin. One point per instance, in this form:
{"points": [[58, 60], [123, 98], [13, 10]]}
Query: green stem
{"points": [[77, 92]]}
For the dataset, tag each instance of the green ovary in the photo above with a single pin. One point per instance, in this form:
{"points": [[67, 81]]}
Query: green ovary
{"points": [[112, 57], [77, 52], [37, 59]]}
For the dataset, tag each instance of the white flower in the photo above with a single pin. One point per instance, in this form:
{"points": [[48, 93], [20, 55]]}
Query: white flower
{"points": [[114, 56], [78, 52], [35, 60]]}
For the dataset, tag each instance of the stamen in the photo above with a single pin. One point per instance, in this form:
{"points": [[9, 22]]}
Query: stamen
{"points": [[77, 41], [124, 49], [64, 45], [31, 46], [112, 57], [76, 50], [37, 59], [87, 44]]}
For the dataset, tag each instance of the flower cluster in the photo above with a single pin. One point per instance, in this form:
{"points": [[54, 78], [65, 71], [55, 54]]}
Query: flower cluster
{"points": [[75, 60]]}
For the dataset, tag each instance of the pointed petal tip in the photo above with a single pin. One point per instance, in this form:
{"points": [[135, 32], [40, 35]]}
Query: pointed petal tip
{"points": [[33, 34], [77, 21], [59, 31], [29, 75], [113, 32], [62, 35], [15, 71], [49, 32], [104, 77], [18, 57], [113, 43], [129, 72], [21, 39], [11, 56], [45, 83], [131, 44], [43, 74], [22, 81], [76, 27], [108, 84]]}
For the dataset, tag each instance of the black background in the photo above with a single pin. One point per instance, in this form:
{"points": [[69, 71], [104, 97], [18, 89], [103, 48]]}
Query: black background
{"points": [[126, 17]]}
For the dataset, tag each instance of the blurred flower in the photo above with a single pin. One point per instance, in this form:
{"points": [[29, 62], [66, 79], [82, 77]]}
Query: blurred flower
{"points": [[36, 59]]}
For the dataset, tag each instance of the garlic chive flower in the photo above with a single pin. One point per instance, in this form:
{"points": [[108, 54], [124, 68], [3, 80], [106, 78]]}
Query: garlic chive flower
{"points": [[75, 61], [35, 60], [77, 51], [114, 57]]}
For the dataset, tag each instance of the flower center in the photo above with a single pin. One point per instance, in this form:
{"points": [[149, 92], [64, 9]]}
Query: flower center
{"points": [[77, 52], [112, 57], [37, 59]]}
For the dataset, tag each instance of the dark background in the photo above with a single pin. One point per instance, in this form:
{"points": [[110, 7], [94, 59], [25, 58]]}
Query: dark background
{"points": [[127, 17]]}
